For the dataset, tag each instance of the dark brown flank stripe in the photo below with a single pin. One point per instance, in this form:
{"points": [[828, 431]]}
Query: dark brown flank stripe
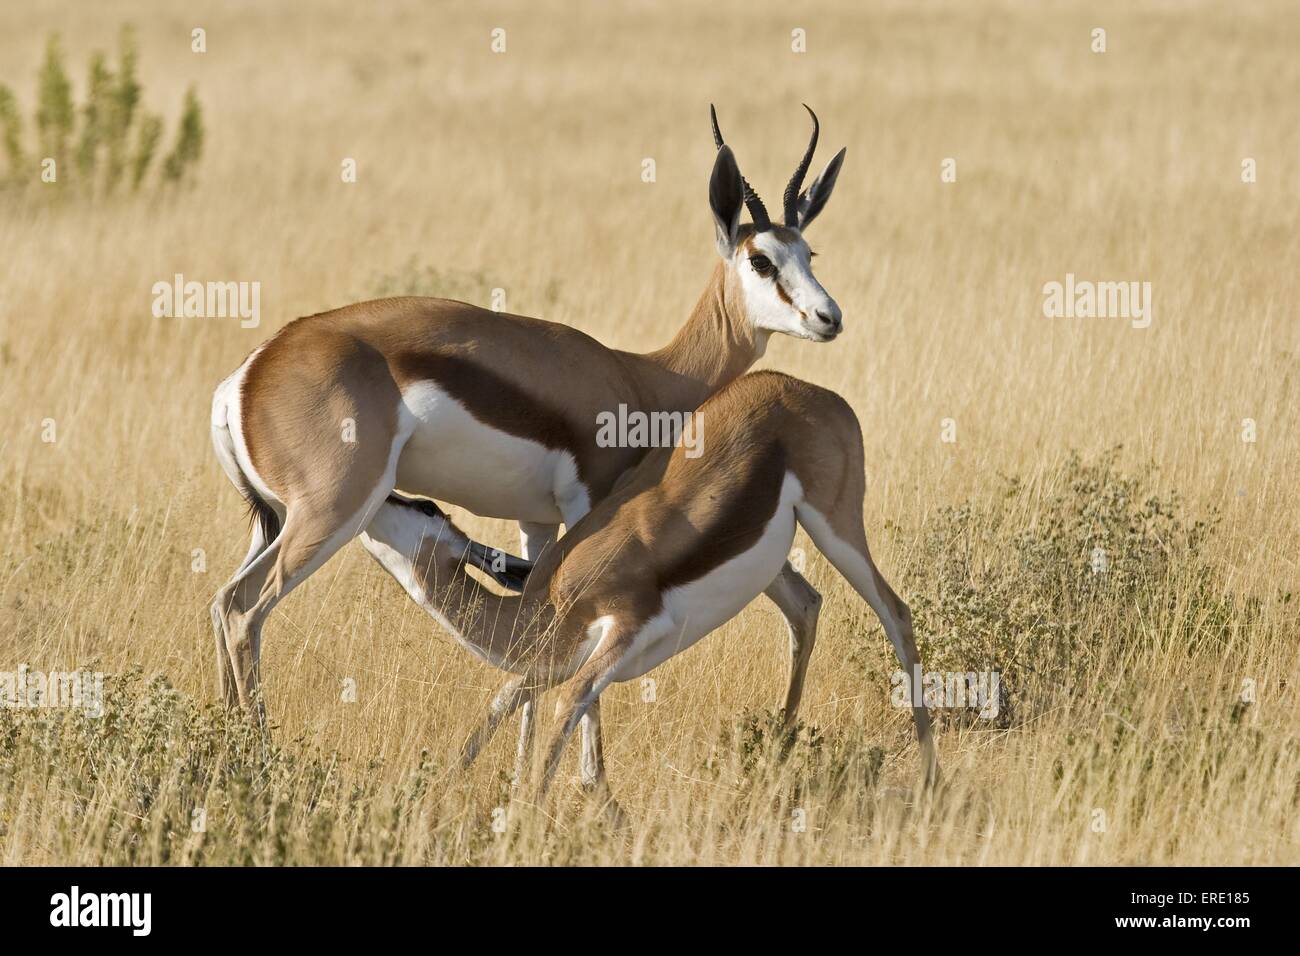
{"points": [[495, 401], [737, 526]]}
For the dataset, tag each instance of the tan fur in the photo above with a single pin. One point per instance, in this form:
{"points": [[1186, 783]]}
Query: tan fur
{"points": [[524, 376], [534, 380], [669, 522], [676, 517]]}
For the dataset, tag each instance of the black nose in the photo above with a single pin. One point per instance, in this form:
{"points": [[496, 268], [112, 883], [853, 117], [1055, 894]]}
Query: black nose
{"points": [[835, 322]]}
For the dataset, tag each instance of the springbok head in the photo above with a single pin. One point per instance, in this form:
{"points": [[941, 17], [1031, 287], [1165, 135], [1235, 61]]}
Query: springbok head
{"points": [[773, 262], [413, 536]]}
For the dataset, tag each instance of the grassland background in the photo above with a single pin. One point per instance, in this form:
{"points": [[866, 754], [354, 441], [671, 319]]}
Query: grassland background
{"points": [[522, 171]]}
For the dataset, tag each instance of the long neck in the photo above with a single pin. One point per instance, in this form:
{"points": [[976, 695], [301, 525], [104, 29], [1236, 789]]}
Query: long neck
{"points": [[498, 626], [715, 346]]}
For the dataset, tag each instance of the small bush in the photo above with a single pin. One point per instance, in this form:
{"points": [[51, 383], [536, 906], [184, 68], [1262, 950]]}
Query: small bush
{"points": [[189, 142], [54, 117], [109, 139], [160, 779], [1036, 583], [11, 128]]}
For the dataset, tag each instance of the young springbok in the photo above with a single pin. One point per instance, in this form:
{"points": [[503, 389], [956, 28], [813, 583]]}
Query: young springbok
{"points": [[495, 413], [678, 548]]}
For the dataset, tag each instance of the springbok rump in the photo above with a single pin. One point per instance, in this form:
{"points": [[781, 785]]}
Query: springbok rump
{"points": [[494, 413], [678, 548]]}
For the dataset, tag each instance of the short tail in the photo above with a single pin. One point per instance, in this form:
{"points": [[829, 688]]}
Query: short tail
{"points": [[260, 512]]}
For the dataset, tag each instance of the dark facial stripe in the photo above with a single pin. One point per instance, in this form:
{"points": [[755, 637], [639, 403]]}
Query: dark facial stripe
{"points": [[753, 250]]}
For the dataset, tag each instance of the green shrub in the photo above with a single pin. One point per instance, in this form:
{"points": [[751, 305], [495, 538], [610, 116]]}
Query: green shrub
{"points": [[1035, 583], [54, 112], [96, 113], [151, 130], [108, 139], [129, 783], [123, 99], [189, 141], [11, 128]]}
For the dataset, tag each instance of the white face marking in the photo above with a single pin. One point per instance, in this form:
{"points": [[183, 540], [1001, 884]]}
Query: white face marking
{"points": [[404, 529], [810, 312], [394, 538]]}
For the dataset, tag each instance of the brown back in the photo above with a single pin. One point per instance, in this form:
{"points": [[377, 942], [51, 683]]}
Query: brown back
{"points": [[683, 516]]}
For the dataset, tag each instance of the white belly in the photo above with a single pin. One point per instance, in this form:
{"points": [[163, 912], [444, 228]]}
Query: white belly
{"points": [[693, 610], [453, 457]]}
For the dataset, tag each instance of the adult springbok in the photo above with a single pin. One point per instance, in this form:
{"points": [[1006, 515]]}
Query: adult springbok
{"points": [[492, 412], [678, 548]]}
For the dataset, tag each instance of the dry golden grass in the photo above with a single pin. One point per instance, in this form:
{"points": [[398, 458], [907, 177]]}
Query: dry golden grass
{"points": [[522, 171]]}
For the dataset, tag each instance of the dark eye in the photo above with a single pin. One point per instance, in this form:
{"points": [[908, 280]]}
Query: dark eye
{"points": [[762, 265]]}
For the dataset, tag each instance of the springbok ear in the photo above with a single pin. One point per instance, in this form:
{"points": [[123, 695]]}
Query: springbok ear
{"points": [[812, 199], [726, 199]]}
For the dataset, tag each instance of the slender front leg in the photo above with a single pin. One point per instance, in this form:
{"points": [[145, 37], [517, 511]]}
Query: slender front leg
{"points": [[592, 765], [533, 537], [527, 734], [515, 693], [800, 603], [577, 697]]}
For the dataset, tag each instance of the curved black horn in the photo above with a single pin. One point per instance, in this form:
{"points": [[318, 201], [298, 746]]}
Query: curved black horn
{"points": [[757, 211], [791, 202]]}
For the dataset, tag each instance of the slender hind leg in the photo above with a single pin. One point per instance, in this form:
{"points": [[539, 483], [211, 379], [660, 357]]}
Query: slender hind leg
{"points": [[225, 672], [591, 762], [840, 537], [322, 422], [515, 693], [527, 734], [577, 696], [310, 537], [800, 604], [891, 610]]}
